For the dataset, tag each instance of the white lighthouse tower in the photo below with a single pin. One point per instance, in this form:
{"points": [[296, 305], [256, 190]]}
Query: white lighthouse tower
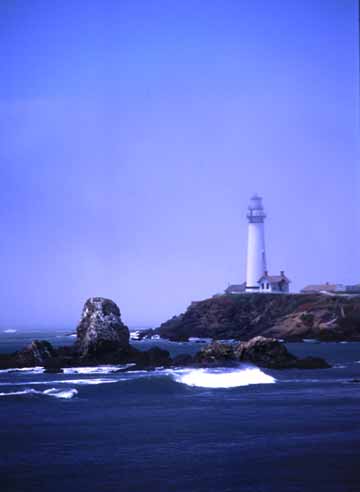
{"points": [[256, 258]]}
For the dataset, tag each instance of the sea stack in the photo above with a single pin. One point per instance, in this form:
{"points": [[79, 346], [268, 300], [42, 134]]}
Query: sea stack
{"points": [[101, 329]]}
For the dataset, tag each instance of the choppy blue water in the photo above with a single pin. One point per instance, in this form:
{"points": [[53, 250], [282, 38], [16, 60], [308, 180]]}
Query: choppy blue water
{"points": [[182, 430]]}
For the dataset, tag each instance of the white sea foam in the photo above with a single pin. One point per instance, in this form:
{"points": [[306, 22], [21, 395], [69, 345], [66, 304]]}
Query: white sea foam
{"points": [[27, 370], [106, 369], [9, 330], [86, 381], [222, 378], [22, 392], [63, 381], [135, 335], [95, 370], [65, 394]]}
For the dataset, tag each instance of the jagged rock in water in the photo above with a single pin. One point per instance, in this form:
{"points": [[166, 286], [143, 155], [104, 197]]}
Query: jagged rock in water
{"points": [[265, 352], [54, 366], [182, 360], [37, 353], [102, 338], [260, 351], [154, 357], [216, 353], [100, 329]]}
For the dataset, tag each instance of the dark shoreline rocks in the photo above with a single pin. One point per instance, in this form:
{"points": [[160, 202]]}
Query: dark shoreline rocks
{"points": [[102, 338], [37, 353], [260, 351], [289, 317]]}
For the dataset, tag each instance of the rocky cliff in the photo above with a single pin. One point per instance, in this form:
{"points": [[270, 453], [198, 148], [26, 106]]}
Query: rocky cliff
{"points": [[291, 317]]}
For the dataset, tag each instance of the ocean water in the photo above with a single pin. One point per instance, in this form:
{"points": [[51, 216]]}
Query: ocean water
{"points": [[188, 430]]}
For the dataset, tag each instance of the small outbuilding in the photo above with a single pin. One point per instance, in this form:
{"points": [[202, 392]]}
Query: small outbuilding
{"points": [[323, 288], [274, 284], [236, 288]]}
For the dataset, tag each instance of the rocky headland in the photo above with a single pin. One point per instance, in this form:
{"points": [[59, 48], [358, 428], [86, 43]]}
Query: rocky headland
{"points": [[103, 338], [289, 317]]}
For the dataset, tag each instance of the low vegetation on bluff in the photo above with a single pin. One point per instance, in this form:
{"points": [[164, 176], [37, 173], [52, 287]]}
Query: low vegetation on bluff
{"points": [[291, 317]]}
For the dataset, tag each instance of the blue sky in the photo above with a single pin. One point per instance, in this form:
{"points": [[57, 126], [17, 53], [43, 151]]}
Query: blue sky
{"points": [[133, 133]]}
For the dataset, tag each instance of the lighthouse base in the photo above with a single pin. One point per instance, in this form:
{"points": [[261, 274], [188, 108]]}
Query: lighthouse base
{"points": [[252, 289]]}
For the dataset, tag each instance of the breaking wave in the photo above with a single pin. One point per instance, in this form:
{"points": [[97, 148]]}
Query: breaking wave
{"points": [[202, 378], [28, 370], [87, 381], [220, 378], [67, 394], [96, 370], [63, 381], [70, 370], [64, 394]]}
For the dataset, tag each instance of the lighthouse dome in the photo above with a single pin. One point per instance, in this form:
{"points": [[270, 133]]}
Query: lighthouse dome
{"points": [[256, 210], [256, 203]]}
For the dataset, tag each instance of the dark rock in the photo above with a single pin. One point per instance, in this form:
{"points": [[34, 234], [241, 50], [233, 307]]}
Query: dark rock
{"points": [[216, 353], [154, 357], [158, 357], [7, 361], [101, 330], [182, 360], [53, 366], [37, 353], [260, 351], [291, 317], [265, 352], [120, 356]]}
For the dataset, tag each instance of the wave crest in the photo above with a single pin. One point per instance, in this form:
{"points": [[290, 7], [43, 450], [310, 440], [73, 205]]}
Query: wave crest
{"points": [[64, 394], [27, 370], [106, 369], [223, 378]]}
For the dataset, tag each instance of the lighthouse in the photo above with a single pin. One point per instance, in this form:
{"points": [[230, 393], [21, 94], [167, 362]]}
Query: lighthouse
{"points": [[258, 279], [256, 258]]}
